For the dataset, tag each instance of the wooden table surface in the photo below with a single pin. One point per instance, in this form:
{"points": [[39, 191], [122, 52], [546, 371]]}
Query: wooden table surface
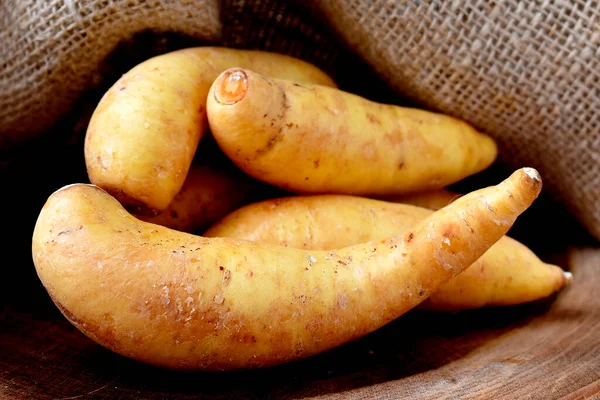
{"points": [[544, 350]]}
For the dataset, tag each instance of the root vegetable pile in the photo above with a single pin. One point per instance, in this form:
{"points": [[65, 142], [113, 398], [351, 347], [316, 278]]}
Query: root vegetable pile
{"points": [[169, 260]]}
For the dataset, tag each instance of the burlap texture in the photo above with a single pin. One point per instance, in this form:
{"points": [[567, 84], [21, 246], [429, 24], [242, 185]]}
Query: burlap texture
{"points": [[52, 50], [525, 72]]}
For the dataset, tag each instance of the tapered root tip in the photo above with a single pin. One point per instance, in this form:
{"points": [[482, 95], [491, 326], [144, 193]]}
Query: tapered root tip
{"points": [[533, 174], [568, 278], [231, 86], [527, 181]]}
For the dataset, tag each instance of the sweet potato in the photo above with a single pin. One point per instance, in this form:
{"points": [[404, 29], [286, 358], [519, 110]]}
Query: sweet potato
{"points": [[181, 301], [144, 132], [508, 273], [315, 139], [208, 194], [318, 222]]}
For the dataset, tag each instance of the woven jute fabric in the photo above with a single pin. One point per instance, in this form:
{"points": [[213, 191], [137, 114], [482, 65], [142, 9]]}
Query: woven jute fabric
{"points": [[51, 50], [525, 72]]}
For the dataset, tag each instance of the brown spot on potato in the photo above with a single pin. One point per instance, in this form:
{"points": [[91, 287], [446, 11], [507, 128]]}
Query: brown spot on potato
{"points": [[316, 163], [108, 318], [410, 237], [450, 231], [285, 105], [373, 119], [226, 277], [243, 337], [468, 225], [299, 348], [270, 144]]}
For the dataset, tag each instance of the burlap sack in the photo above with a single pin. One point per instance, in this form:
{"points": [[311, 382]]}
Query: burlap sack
{"points": [[525, 72]]}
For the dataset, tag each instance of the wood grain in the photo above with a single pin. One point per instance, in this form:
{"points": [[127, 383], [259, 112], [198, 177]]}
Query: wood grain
{"points": [[543, 350]]}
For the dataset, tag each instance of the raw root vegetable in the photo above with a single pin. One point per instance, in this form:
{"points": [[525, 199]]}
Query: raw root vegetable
{"points": [[508, 273], [181, 301], [315, 139], [207, 195], [144, 132]]}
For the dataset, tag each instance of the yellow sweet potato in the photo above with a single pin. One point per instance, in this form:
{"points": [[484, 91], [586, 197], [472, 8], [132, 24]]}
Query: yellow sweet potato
{"points": [[318, 222], [177, 300], [508, 273], [144, 132], [314, 139], [208, 194]]}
